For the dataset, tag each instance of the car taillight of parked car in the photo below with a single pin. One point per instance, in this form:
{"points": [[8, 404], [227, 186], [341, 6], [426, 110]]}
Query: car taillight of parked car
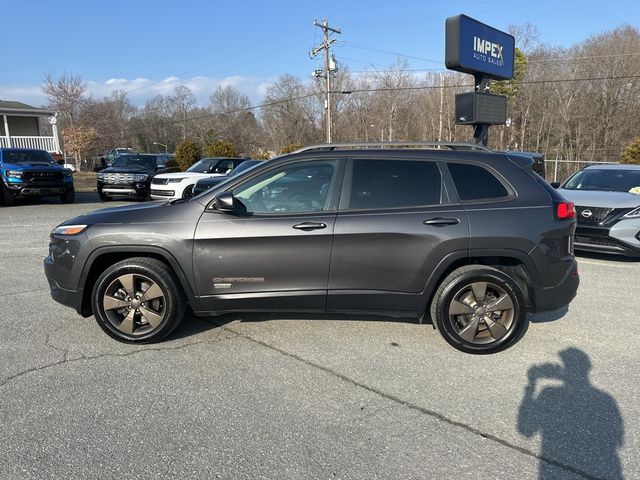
{"points": [[565, 211]]}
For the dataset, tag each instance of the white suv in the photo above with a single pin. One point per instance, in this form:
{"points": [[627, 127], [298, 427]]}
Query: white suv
{"points": [[168, 186]]}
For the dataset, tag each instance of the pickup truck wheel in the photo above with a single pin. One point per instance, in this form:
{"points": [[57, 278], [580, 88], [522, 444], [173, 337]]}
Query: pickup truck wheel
{"points": [[6, 197], [479, 309], [69, 196], [137, 301], [104, 198]]}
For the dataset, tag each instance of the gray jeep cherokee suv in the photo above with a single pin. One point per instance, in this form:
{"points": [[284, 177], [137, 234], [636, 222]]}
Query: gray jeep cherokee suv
{"points": [[468, 237]]}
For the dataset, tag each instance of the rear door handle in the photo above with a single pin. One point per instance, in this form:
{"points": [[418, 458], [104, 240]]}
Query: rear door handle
{"points": [[441, 221], [308, 226]]}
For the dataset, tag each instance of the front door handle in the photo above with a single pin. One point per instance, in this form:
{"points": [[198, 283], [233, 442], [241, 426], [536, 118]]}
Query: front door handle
{"points": [[441, 221], [308, 226]]}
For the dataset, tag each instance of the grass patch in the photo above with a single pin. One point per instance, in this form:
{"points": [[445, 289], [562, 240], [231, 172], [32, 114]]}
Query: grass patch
{"points": [[85, 181]]}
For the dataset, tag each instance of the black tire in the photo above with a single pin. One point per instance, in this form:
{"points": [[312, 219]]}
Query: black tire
{"points": [[6, 197], [69, 196], [119, 305], [104, 198], [188, 192], [479, 323]]}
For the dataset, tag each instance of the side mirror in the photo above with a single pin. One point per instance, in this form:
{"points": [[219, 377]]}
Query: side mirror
{"points": [[224, 202], [555, 184]]}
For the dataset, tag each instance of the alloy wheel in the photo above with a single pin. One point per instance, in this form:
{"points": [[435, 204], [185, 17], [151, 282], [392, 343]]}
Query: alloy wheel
{"points": [[481, 313], [134, 304]]}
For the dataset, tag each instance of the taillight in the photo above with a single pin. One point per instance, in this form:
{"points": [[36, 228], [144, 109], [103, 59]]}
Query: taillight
{"points": [[565, 210]]}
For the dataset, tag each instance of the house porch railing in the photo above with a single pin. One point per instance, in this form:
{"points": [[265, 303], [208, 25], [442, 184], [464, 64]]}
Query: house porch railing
{"points": [[43, 143]]}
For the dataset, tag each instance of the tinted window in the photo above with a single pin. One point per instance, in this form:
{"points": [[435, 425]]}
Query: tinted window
{"points": [[394, 183], [475, 183], [300, 187]]}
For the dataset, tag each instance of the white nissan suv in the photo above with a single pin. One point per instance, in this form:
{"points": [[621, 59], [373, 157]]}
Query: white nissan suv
{"points": [[168, 186]]}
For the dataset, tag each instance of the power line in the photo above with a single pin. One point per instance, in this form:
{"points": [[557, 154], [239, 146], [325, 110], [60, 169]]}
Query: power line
{"points": [[381, 89], [413, 57], [252, 59]]}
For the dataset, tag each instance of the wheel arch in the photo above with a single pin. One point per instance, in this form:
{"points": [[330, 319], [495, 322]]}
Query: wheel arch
{"points": [[514, 263], [103, 257]]}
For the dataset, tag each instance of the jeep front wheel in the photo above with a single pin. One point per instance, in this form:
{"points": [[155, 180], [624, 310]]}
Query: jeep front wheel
{"points": [[137, 300], [479, 309]]}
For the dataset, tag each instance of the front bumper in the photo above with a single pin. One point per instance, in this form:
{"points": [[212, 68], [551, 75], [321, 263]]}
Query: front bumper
{"points": [[67, 297], [28, 189], [161, 194], [123, 189], [622, 238]]}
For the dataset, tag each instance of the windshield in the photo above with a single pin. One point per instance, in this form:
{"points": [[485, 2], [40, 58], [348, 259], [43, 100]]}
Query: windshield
{"points": [[135, 161], [203, 166], [27, 156], [243, 167], [606, 180]]}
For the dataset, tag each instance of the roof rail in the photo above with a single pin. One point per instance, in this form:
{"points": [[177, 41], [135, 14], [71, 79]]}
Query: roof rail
{"points": [[365, 145]]}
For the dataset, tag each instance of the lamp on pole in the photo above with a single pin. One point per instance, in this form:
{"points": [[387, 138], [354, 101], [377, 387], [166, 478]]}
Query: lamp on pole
{"points": [[162, 145]]}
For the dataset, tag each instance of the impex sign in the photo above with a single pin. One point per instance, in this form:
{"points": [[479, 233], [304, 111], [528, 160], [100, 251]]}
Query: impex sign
{"points": [[476, 48]]}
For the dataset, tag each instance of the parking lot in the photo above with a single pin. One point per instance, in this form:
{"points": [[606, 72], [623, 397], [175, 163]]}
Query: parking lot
{"points": [[310, 396]]}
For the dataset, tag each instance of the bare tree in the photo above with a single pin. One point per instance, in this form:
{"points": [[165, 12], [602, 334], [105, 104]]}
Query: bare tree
{"points": [[65, 95]]}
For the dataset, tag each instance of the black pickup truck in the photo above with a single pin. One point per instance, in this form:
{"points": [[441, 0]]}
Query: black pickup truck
{"points": [[130, 175]]}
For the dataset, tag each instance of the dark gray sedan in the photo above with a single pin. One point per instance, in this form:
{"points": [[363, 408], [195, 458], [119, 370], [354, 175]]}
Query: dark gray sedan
{"points": [[607, 201]]}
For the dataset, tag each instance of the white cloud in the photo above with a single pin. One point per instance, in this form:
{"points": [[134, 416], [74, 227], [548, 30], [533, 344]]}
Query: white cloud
{"points": [[139, 90]]}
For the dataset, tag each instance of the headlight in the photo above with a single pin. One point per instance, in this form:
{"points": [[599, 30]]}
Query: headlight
{"points": [[69, 229], [633, 213], [101, 176], [176, 180], [14, 173], [140, 177]]}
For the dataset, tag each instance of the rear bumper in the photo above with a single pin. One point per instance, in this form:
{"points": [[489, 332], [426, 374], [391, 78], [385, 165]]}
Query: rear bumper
{"points": [[560, 295]]}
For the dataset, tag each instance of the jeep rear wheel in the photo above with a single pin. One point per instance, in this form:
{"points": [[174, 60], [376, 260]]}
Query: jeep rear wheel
{"points": [[137, 301], [479, 309]]}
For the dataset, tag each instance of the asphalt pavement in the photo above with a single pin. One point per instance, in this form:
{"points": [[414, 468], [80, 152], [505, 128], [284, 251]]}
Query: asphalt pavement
{"points": [[311, 396]]}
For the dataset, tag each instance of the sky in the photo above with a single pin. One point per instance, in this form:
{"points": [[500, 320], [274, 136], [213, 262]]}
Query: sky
{"points": [[149, 47]]}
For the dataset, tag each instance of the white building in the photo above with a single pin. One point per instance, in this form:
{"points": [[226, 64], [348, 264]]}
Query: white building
{"points": [[20, 127]]}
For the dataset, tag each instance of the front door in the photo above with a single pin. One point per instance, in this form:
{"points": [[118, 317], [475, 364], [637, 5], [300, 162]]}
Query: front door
{"points": [[277, 254]]}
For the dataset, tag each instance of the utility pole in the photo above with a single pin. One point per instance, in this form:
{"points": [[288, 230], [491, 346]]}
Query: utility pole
{"points": [[441, 111], [326, 45]]}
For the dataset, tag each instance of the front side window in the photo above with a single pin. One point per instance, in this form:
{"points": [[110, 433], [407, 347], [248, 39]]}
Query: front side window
{"points": [[296, 188], [474, 182], [395, 184]]}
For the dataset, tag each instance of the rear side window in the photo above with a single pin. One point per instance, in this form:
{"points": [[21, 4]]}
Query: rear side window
{"points": [[476, 183], [394, 183]]}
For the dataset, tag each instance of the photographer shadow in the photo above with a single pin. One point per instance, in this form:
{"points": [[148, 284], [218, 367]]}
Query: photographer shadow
{"points": [[580, 426]]}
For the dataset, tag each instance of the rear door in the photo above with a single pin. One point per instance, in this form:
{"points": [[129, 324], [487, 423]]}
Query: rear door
{"points": [[395, 224]]}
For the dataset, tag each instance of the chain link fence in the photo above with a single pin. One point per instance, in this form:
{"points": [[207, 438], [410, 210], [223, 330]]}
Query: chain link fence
{"points": [[559, 170]]}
